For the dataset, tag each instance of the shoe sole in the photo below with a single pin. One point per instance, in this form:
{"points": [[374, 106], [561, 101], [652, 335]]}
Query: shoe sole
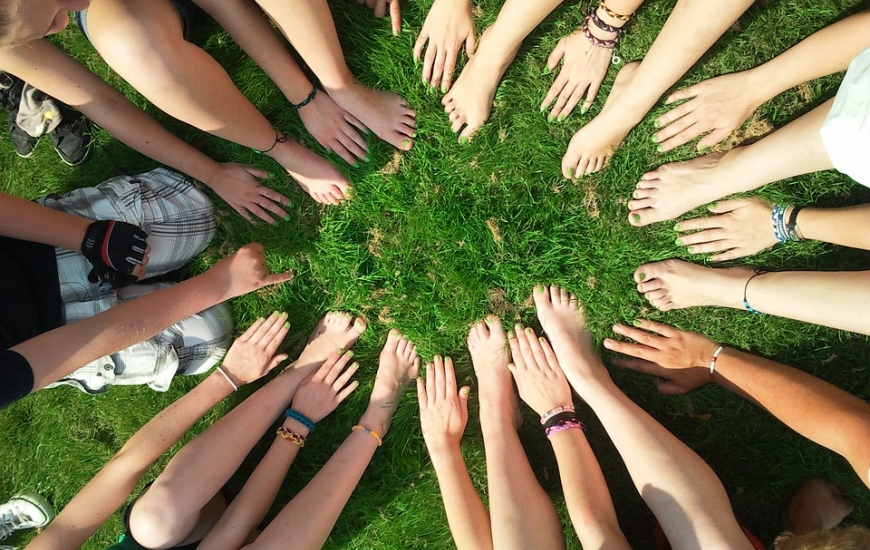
{"points": [[27, 156], [88, 152], [40, 502]]}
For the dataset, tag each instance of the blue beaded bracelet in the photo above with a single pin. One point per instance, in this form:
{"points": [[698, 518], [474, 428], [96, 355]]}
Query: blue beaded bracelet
{"points": [[301, 418]]}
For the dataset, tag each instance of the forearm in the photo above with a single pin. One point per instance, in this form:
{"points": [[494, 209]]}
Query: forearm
{"points": [[844, 226], [467, 516], [825, 52], [813, 408], [586, 495], [108, 490], [54, 354], [515, 21], [26, 220]]}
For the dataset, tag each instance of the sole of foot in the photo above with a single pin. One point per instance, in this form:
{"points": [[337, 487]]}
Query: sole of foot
{"points": [[675, 284], [334, 331], [468, 104], [673, 189], [490, 356], [397, 366], [384, 113], [314, 174], [593, 144]]}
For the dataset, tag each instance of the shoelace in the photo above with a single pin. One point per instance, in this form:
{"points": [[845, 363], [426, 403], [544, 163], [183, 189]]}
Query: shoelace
{"points": [[11, 521]]}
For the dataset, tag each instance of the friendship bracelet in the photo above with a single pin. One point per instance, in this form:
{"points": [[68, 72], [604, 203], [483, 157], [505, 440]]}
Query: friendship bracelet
{"points": [[307, 100], [293, 437], [221, 370], [278, 139], [301, 418], [603, 25], [612, 13], [559, 417], [598, 42], [746, 305], [777, 218], [791, 227], [713, 361], [552, 412], [370, 432], [564, 425]]}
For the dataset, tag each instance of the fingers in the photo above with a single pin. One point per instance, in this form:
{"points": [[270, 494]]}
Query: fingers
{"points": [[428, 62], [449, 377], [674, 114], [430, 382], [471, 43], [256, 172], [556, 56], [550, 355], [439, 376], [421, 41], [449, 65], [633, 350], [332, 369], [265, 327], [255, 326], [274, 279], [714, 137], [277, 360], [396, 16], [342, 395], [438, 67], [275, 336], [422, 398], [380, 8], [679, 95], [464, 392], [641, 365], [662, 329]]}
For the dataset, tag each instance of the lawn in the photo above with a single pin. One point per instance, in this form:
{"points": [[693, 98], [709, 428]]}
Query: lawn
{"points": [[436, 238]]}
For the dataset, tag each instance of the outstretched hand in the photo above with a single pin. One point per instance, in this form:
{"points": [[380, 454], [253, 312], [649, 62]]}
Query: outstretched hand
{"points": [[443, 410], [244, 271], [540, 380], [448, 25], [237, 185], [667, 346], [718, 106], [740, 227], [252, 355], [583, 69], [668, 381], [323, 391], [334, 128], [380, 9]]}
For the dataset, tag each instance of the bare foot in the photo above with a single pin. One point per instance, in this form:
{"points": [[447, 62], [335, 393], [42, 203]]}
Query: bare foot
{"points": [[675, 284], [490, 355], [335, 330], [564, 322], [385, 114], [673, 189], [816, 505], [469, 102], [398, 364], [313, 173], [593, 144]]}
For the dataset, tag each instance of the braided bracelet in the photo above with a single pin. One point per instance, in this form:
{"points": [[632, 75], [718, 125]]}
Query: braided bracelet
{"points": [[567, 424], [292, 437], [598, 42], [612, 13], [604, 26], [307, 100]]}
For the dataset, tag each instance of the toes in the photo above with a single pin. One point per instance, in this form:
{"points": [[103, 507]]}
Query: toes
{"points": [[563, 295], [393, 339], [359, 325], [541, 296], [493, 325], [402, 346]]}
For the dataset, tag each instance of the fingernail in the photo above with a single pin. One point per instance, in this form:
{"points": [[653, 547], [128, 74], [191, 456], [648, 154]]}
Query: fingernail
{"points": [[560, 118], [543, 108], [406, 143], [444, 88], [637, 323], [287, 325], [607, 343], [511, 367], [275, 313], [570, 172], [414, 134], [355, 383], [465, 391], [510, 334], [437, 358], [284, 314], [677, 228], [689, 248], [356, 165], [541, 339], [529, 331], [271, 174], [660, 148], [654, 138], [635, 217], [641, 276], [428, 366], [657, 124], [547, 70], [349, 354], [550, 118], [340, 351], [677, 242], [260, 319], [702, 148], [355, 365], [287, 218], [463, 140], [367, 159], [584, 109]]}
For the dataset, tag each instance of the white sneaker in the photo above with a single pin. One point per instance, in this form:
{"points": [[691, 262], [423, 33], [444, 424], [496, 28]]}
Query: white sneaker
{"points": [[24, 511]]}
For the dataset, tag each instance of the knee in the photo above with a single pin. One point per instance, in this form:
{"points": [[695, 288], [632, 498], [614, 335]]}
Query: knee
{"points": [[206, 338], [156, 522]]}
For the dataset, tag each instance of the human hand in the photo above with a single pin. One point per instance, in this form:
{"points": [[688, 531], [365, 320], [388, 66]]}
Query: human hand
{"points": [[118, 252], [668, 381], [718, 106], [236, 184], [540, 380], [334, 128], [448, 24], [252, 355], [327, 387], [741, 227], [380, 8], [244, 271], [583, 69], [667, 346], [443, 410]]}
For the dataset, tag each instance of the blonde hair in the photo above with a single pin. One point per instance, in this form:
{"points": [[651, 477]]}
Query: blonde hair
{"points": [[855, 537]]}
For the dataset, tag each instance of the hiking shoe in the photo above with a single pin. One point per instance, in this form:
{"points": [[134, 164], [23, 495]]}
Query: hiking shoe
{"points": [[24, 511], [73, 139], [11, 89]]}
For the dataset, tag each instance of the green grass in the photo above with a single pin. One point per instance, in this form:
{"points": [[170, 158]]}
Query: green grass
{"points": [[414, 250]]}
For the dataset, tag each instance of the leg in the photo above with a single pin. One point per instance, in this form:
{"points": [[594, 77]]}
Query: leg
{"points": [[679, 487], [837, 299], [522, 514], [309, 27], [175, 508], [673, 189], [309, 517], [470, 100], [692, 28], [144, 44]]}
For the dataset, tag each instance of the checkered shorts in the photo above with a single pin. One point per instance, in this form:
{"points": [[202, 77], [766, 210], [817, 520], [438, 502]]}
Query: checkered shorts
{"points": [[180, 223]]}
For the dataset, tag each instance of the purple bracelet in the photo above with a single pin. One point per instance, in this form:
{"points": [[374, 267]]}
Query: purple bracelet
{"points": [[564, 425]]}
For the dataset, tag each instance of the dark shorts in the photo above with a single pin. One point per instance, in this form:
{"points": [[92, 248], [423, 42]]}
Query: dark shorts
{"points": [[184, 7], [17, 376]]}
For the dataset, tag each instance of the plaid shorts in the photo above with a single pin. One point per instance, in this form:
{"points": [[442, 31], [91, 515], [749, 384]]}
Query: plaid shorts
{"points": [[180, 222]]}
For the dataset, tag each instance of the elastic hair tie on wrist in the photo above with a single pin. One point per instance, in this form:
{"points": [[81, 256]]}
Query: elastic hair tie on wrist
{"points": [[278, 139], [221, 370], [746, 305], [369, 431], [301, 418], [307, 100], [713, 361]]}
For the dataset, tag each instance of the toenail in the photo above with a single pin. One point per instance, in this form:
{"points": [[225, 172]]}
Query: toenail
{"points": [[463, 140], [406, 143], [655, 138], [637, 323], [641, 276], [570, 172], [635, 217], [539, 289]]}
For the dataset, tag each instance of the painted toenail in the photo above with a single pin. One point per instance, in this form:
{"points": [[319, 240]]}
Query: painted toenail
{"points": [[655, 138], [637, 323], [463, 140], [570, 172], [635, 217], [641, 276], [539, 289], [406, 143]]}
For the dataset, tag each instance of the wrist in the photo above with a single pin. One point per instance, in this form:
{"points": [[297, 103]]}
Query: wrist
{"points": [[760, 85], [295, 426], [441, 446]]}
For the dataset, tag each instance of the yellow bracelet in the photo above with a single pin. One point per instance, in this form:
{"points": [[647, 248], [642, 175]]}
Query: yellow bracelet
{"points": [[370, 432], [294, 437]]}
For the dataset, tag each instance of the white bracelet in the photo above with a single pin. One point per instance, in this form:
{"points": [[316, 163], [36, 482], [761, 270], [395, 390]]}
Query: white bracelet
{"points": [[221, 370], [713, 359]]}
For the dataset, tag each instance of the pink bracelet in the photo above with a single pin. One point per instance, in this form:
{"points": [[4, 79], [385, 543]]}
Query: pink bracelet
{"points": [[566, 425], [553, 412]]}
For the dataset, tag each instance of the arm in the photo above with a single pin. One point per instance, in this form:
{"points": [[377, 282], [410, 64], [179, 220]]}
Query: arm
{"points": [[443, 416], [108, 490], [28, 221], [56, 353], [803, 402], [843, 226]]}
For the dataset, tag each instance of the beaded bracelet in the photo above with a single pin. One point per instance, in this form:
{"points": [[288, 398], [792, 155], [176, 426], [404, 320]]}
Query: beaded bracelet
{"points": [[568, 424], [746, 305], [369, 431], [293, 437], [307, 100], [553, 412], [301, 418], [559, 417], [777, 218], [612, 13]]}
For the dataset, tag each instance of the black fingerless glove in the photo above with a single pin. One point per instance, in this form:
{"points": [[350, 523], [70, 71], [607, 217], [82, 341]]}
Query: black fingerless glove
{"points": [[114, 249]]}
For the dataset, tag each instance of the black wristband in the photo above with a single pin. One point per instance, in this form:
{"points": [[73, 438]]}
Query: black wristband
{"points": [[560, 417], [114, 249]]}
